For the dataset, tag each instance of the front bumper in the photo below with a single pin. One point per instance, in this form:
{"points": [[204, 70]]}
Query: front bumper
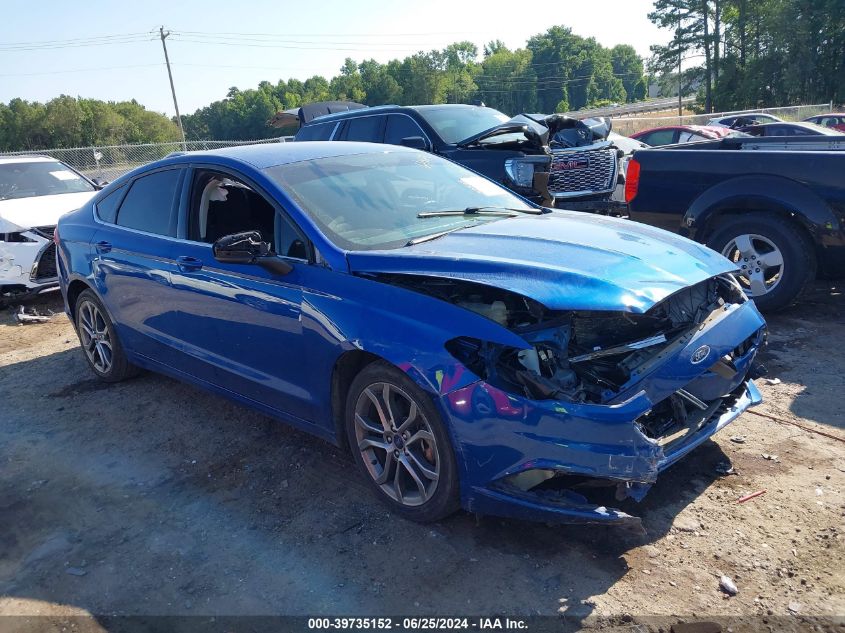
{"points": [[513, 449], [28, 267]]}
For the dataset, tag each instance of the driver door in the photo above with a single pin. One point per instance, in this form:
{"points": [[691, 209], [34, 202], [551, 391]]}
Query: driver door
{"points": [[239, 324]]}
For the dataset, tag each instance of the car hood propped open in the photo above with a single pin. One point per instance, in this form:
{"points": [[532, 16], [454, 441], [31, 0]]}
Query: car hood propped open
{"points": [[564, 260]]}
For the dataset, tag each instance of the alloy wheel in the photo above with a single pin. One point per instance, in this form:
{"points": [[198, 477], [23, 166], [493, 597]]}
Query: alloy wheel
{"points": [[95, 337], [397, 444], [760, 262]]}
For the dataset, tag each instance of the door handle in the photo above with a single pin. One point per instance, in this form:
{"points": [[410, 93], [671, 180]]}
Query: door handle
{"points": [[187, 264], [103, 247]]}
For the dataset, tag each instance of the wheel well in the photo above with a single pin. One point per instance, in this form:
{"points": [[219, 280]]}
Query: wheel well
{"points": [[345, 369], [74, 289], [720, 213]]}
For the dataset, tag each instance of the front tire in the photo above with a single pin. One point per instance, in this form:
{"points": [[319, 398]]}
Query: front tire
{"points": [[98, 339], [400, 443], [775, 257]]}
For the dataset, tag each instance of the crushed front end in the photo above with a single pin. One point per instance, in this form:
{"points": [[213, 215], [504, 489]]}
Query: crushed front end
{"points": [[27, 262], [598, 403]]}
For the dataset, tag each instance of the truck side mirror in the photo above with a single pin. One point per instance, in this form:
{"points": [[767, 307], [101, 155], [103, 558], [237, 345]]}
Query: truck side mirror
{"points": [[415, 142]]}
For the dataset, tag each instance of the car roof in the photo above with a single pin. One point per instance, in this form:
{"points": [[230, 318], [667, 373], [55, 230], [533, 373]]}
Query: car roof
{"points": [[27, 158], [264, 155], [351, 113], [348, 114]]}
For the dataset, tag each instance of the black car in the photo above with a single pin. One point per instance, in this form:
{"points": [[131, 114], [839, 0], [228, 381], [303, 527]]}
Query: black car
{"points": [[547, 159]]}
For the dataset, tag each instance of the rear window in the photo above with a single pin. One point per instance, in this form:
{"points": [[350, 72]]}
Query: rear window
{"points": [[148, 206], [316, 132]]}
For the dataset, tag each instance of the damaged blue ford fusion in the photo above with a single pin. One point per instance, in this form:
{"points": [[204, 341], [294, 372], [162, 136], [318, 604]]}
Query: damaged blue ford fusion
{"points": [[470, 348]]}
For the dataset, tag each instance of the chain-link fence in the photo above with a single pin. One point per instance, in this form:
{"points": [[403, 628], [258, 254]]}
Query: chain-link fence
{"points": [[111, 161], [630, 125]]}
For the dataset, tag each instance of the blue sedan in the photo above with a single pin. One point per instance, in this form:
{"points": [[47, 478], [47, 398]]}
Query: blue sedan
{"points": [[469, 348]]}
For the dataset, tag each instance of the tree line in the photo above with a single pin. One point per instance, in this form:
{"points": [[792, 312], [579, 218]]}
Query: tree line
{"points": [[754, 53], [76, 122], [741, 53], [557, 71]]}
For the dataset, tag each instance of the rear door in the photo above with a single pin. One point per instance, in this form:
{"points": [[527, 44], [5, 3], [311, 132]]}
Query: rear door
{"points": [[369, 129], [133, 260]]}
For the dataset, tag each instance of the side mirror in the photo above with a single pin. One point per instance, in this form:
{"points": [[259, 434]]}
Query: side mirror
{"points": [[247, 248], [99, 183], [414, 142], [240, 248]]}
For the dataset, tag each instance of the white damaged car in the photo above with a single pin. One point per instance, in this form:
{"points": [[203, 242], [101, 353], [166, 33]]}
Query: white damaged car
{"points": [[34, 192]]}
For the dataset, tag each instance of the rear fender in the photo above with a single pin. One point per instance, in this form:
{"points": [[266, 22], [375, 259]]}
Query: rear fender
{"points": [[758, 193]]}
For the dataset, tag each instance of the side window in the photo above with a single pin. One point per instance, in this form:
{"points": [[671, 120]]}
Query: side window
{"points": [[687, 137], [400, 126], [107, 206], [316, 132], [149, 204], [365, 128], [661, 137], [223, 205]]}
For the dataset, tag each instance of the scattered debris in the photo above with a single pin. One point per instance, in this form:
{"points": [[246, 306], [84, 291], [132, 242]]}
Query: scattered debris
{"points": [[794, 607], [738, 439], [772, 381], [819, 492], [24, 316], [751, 496], [727, 585], [771, 458], [725, 468]]}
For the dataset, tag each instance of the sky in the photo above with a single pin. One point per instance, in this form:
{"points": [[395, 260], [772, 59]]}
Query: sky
{"points": [[112, 51]]}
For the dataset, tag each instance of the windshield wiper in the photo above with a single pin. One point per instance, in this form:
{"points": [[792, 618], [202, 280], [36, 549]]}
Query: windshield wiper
{"points": [[502, 211], [433, 236]]}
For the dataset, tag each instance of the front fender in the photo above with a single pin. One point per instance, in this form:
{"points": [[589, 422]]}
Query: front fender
{"points": [[406, 328]]}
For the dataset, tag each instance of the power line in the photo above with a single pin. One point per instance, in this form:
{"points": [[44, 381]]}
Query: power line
{"points": [[79, 70]]}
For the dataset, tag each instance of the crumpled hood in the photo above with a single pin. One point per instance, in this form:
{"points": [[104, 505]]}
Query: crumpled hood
{"points": [[19, 214], [565, 260], [536, 134]]}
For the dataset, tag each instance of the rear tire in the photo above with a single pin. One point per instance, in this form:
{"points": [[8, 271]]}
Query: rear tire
{"points": [[776, 258], [401, 445], [98, 339]]}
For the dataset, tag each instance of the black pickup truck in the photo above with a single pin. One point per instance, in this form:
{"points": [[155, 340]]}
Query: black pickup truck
{"points": [[775, 206]]}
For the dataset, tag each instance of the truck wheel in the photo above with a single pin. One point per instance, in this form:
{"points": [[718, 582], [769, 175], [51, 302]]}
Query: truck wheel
{"points": [[776, 259]]}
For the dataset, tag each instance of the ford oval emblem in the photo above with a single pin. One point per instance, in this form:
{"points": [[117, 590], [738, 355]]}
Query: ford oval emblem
{"points": [[700, 354]]}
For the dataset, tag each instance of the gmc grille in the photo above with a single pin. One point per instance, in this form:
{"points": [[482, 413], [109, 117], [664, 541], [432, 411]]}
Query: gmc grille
{"points": [[575, 172]]}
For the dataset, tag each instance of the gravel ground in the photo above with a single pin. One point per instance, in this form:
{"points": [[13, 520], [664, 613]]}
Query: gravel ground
{"points": [[154, 497]]}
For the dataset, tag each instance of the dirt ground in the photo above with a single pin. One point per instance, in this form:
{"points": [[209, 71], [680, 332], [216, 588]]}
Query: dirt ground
{"points": [[154, 497]]}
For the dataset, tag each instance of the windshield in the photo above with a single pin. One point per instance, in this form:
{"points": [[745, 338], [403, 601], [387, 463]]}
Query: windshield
{"points": [[41, 178], [454, 123], [372, 201]]}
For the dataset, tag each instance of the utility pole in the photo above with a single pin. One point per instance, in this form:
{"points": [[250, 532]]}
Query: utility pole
{"points": [[172, 88]]}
